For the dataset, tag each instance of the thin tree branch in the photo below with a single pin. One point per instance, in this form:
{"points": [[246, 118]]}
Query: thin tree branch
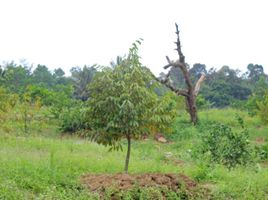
{"points": [[168, 59], [166, 82], [169, 63], [167, 66]]}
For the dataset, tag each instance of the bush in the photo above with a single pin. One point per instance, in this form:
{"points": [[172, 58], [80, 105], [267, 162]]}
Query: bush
{"points": [[262, 109], [224, 146], [202, 103], [73, 119], [262, 151], [7, 100]]}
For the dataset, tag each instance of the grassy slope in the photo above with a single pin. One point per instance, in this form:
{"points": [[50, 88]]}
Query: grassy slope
{"points": [[38, 167]]}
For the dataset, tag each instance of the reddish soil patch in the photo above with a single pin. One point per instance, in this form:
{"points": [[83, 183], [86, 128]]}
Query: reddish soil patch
{"points": [[160, 138], [179, 162], [260, 140], [125, 181]]}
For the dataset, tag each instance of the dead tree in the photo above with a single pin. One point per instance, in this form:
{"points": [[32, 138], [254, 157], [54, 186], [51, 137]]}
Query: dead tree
{"points": [[191, 91]]}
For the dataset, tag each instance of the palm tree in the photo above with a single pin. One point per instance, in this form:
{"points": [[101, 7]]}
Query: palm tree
{"points": [[81, 78]]}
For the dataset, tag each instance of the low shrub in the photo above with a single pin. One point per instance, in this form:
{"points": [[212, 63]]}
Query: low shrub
{"points": [[262, 151], [149, 193], [222, 145], [73, 119]]}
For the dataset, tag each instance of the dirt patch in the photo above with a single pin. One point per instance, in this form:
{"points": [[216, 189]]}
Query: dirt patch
{"points": [[179, 162], [264, 164], [180, 184], [160, 138], [125, 181], [260, 140]]}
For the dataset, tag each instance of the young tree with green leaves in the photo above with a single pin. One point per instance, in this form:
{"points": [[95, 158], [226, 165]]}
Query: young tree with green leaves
{"points": [[262, 108], [123, 104], [28, 108]]}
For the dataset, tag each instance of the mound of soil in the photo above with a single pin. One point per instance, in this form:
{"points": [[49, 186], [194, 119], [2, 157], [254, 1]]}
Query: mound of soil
{"points": [[126, 181]]}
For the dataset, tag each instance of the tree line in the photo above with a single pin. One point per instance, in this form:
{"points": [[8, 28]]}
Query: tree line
{"points": [[223, 87]]}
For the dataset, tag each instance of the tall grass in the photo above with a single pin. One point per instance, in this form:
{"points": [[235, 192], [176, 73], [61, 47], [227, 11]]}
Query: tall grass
{"points": [[35, 166], [44, 165]]}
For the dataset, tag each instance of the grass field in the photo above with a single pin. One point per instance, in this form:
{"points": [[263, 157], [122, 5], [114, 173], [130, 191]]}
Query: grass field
{"points": [[46, 165]]}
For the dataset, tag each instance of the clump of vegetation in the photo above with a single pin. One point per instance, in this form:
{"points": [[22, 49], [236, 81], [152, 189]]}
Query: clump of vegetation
{"points": [[225, 146], [73, 119], [149, 193], [262, 109], [27, 109], [262, 151]]}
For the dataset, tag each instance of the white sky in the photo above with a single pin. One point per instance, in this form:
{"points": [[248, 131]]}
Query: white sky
{"points": [[67, 33]]}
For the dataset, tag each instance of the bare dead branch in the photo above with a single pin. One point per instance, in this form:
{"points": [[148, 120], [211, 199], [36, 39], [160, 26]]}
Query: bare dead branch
{"points": [[166, 82], [167, 66], [168, 59], [169, 63], [182, 92], [178, 43], [173, 89], [198, 84]]}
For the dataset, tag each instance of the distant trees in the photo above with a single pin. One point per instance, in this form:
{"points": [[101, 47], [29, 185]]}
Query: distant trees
{"points": [[196, 71], [15, 77], [254, 72], [60, 79], [81, 79], [2, 75], [42, 76], [224, 87]]}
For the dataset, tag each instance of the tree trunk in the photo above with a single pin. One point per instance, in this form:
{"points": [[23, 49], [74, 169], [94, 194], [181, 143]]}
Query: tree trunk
{"points": [[25, 121], [128, 153], [192, 108]]}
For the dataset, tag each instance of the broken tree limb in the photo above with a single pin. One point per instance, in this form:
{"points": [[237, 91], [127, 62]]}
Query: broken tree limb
{"points": [[198, 84], [166, 82]]}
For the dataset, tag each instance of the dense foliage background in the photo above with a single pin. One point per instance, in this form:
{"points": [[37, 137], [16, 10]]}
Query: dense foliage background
{"points": [[225, 87]]}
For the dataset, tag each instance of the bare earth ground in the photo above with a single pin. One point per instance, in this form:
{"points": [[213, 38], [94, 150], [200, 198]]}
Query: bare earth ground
{"points": [[125, 181], [174, 182]]}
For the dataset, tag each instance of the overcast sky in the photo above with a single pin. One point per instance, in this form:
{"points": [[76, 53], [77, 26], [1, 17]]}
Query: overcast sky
{"points": [[68, 33]]}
